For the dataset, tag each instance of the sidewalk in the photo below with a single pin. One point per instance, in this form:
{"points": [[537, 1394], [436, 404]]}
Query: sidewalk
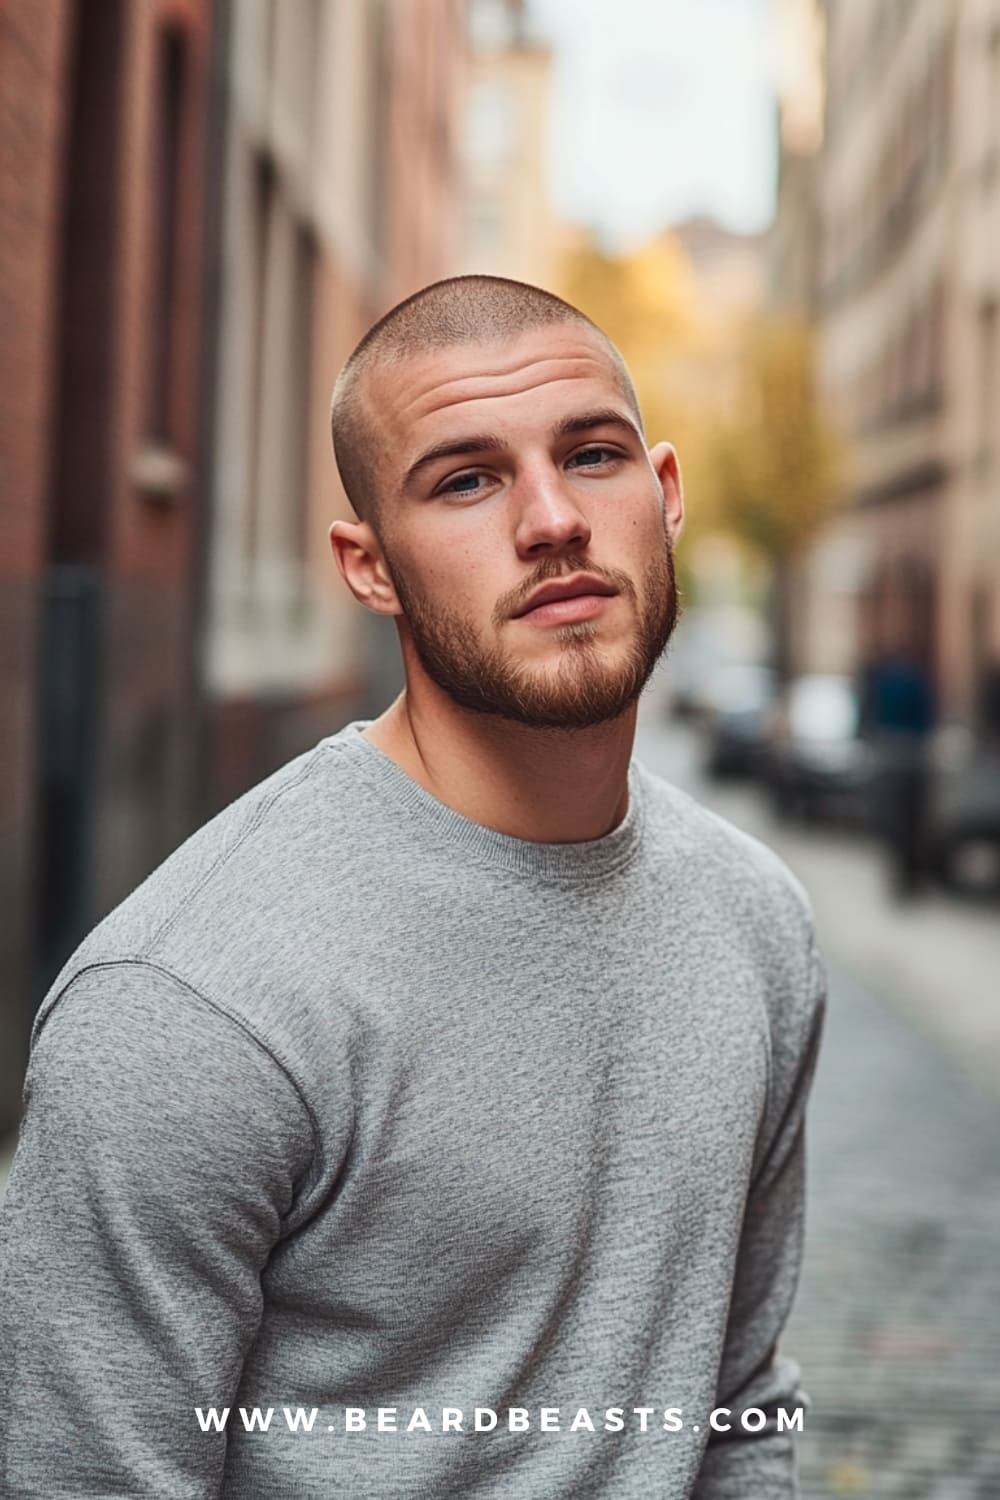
{"points": [[936, 958], [896, 1325]]}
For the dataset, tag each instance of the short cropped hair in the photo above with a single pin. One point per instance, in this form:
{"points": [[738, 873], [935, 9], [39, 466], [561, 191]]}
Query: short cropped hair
{"points": [[458, 310]]}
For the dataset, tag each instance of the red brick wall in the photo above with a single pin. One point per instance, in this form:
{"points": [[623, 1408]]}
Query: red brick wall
{"points": [[149, 758], [427, 49], [78, 250], [33, 42]]}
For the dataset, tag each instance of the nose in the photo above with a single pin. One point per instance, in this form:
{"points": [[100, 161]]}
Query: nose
{"points": [[550, 518]]}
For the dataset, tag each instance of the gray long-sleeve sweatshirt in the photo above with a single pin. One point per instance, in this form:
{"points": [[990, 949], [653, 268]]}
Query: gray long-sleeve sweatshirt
{"points": [[359, 1112]]}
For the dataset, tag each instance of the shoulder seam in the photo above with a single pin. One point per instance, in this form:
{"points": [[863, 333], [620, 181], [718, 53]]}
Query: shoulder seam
{"points": [[139, 961], [260, 814]]}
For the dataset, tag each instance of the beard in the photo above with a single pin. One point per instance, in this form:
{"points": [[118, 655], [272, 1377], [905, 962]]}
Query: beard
{"points": [[586, 687]]}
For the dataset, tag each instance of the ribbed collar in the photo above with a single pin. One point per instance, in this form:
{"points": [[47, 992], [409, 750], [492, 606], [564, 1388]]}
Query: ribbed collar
{"points": [[587, 860]]}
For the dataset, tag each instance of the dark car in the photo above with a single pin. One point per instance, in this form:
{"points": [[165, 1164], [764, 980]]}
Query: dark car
{"points": [[737, 720], [818, 765], [965, 827]]}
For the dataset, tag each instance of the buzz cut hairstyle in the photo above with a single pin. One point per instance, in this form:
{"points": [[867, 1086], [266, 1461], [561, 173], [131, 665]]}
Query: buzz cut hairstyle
{"points": [[458, 310]]}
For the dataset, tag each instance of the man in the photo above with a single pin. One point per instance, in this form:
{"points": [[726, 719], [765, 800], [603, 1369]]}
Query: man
{"points": [[897, 716], [444, 1097]]}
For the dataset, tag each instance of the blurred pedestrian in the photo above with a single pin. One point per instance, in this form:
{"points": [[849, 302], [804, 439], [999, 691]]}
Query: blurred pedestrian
{"points": [[462, 1065], [898, 714]]}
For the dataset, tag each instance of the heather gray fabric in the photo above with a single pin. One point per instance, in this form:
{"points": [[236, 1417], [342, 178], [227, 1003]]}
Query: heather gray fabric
{"points": [[357, 1103]]}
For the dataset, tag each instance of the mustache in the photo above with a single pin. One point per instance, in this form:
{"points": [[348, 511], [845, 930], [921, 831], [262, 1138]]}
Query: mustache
{"points": [[551, 572]]}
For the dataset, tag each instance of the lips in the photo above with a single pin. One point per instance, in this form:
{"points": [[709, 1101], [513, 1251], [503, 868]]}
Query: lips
{"points": [[567, 588]]}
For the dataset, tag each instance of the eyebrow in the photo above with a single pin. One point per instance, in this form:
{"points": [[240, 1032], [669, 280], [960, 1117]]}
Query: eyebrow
{"points": [[489, 442]]}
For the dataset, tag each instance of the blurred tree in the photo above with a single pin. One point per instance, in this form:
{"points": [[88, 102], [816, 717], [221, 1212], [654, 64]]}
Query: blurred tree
{"points": [[778, 462], [778, 466], [651, 305], [643, 301]]}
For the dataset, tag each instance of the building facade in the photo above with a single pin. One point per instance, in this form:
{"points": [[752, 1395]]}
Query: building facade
{"points": [[340, 197], [902, 200], [105, 128], [887, 213], [969, 629], [508, 227]]}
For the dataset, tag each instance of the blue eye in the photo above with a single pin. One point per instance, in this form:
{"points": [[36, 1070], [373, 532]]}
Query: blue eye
{"points": [[593, 456], [462, 484]]}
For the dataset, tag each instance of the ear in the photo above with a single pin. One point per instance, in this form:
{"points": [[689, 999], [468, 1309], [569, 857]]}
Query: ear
{"points": [[362, 566], [667, 470]]}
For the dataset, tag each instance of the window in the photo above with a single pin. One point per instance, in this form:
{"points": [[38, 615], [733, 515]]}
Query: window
{"points": [[166, 188]]}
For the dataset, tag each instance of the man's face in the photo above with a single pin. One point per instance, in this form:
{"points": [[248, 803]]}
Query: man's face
{"points": [[505, 468]]}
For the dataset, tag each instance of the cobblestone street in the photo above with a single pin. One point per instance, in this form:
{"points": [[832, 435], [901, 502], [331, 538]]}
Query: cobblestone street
{"points": [[897, 1322]]}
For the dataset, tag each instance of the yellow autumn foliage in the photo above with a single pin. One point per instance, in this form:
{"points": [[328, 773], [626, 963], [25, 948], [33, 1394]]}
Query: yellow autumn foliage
{"points": [[735, 396], [778, 463]]}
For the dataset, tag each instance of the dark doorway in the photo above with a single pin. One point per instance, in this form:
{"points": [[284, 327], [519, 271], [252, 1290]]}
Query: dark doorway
{"points": [[70, 689]]}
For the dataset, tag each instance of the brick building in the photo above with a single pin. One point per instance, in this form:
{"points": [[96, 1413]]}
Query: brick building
{"points": [[104, 136]]}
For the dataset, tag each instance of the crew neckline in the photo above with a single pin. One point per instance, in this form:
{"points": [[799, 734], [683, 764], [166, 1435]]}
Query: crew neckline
{"points": [[583, 860]]}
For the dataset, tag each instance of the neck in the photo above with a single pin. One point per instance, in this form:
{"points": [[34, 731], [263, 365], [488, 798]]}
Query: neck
{"points": [[549, 785]]}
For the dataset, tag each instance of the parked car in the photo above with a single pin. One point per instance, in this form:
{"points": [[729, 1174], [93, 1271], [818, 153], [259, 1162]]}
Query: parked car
{"points": [[737, 719], [818, 766], [965, 827], [708, 638]]}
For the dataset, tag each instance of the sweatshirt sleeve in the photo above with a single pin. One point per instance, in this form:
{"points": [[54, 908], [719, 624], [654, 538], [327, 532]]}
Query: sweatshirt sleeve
{"points": [[158, 1158], [752, 1465]]}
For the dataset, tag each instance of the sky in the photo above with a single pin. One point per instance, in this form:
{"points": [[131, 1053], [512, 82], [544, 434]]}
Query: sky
{"points": [[660, 109]]}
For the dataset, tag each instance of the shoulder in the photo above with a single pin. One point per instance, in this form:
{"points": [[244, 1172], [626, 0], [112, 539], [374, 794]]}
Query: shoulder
{"points": [[747, 905], [706, 851], [234, 892], [742, 908], [134, 925]]}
